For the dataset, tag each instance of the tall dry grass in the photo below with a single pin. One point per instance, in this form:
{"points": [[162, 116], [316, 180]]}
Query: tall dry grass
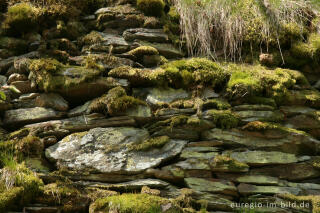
{"points": [[220, 27]]}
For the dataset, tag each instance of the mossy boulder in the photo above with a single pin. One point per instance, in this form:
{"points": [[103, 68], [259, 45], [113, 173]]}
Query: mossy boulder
{"points": [[184, 73], [117, 102], [139, 203], [72, 82], [147, 55], [21, 18], [224, 119], [250, 81], [305, 55], [151, 7]]}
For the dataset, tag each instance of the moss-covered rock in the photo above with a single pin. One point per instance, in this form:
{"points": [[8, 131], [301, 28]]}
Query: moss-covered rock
{"points": [[150, 143], [151, 7], [224, 119], [116, 102], [195, 71], [139, 203], [259, 81], [21, 18], [16, 45], [64, 194], [18, 186], [72, 82], [224, 163]]}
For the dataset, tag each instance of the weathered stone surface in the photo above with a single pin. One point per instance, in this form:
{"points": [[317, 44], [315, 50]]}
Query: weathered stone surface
{"points": [[292, 172], [258, 180], [127, 186], [75, 83], [52, 100], [199, 152], [63, 127], [249, 116], [106, 150], [285, 140], [258, 107], [121, 16], [80, 110], [104, 60], [212, 186], [6, 63], [247, 189], [118, 43], [173, 111], [139, 111], [160, 95], [309, 98], [167, 50], [178, 133], [18, 117], [257, 158], [150, 35], [215, 202], [295, 110]]}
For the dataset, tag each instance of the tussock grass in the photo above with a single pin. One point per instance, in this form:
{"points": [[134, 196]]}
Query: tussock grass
{"points": [[222, 27]]}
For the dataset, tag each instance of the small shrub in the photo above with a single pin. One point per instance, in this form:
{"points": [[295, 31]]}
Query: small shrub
{"points": [[21, 18], [151, 7]]}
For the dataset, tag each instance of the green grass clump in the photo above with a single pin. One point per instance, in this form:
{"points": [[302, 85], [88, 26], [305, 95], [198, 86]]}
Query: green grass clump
{"points": [[224, 119], [151, 7], [137, 203], [260, 25], [156, 142], [18, 186], [20, 19]]}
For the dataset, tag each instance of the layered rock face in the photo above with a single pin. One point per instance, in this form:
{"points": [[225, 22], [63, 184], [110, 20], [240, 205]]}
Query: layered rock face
{"points": [[105, 115]]}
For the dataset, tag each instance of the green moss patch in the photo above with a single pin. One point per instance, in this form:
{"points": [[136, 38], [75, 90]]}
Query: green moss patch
{"points": [[151, 7], [156, 142], [253, 81], [138, 203], [50, 75], [115, 102], [219, 104], [226, 163], [224, 119], [139, 52], [21, 18], [18, 186]]}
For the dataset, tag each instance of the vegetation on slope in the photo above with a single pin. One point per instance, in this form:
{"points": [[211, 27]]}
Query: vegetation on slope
{"points": [[224, 28]]}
